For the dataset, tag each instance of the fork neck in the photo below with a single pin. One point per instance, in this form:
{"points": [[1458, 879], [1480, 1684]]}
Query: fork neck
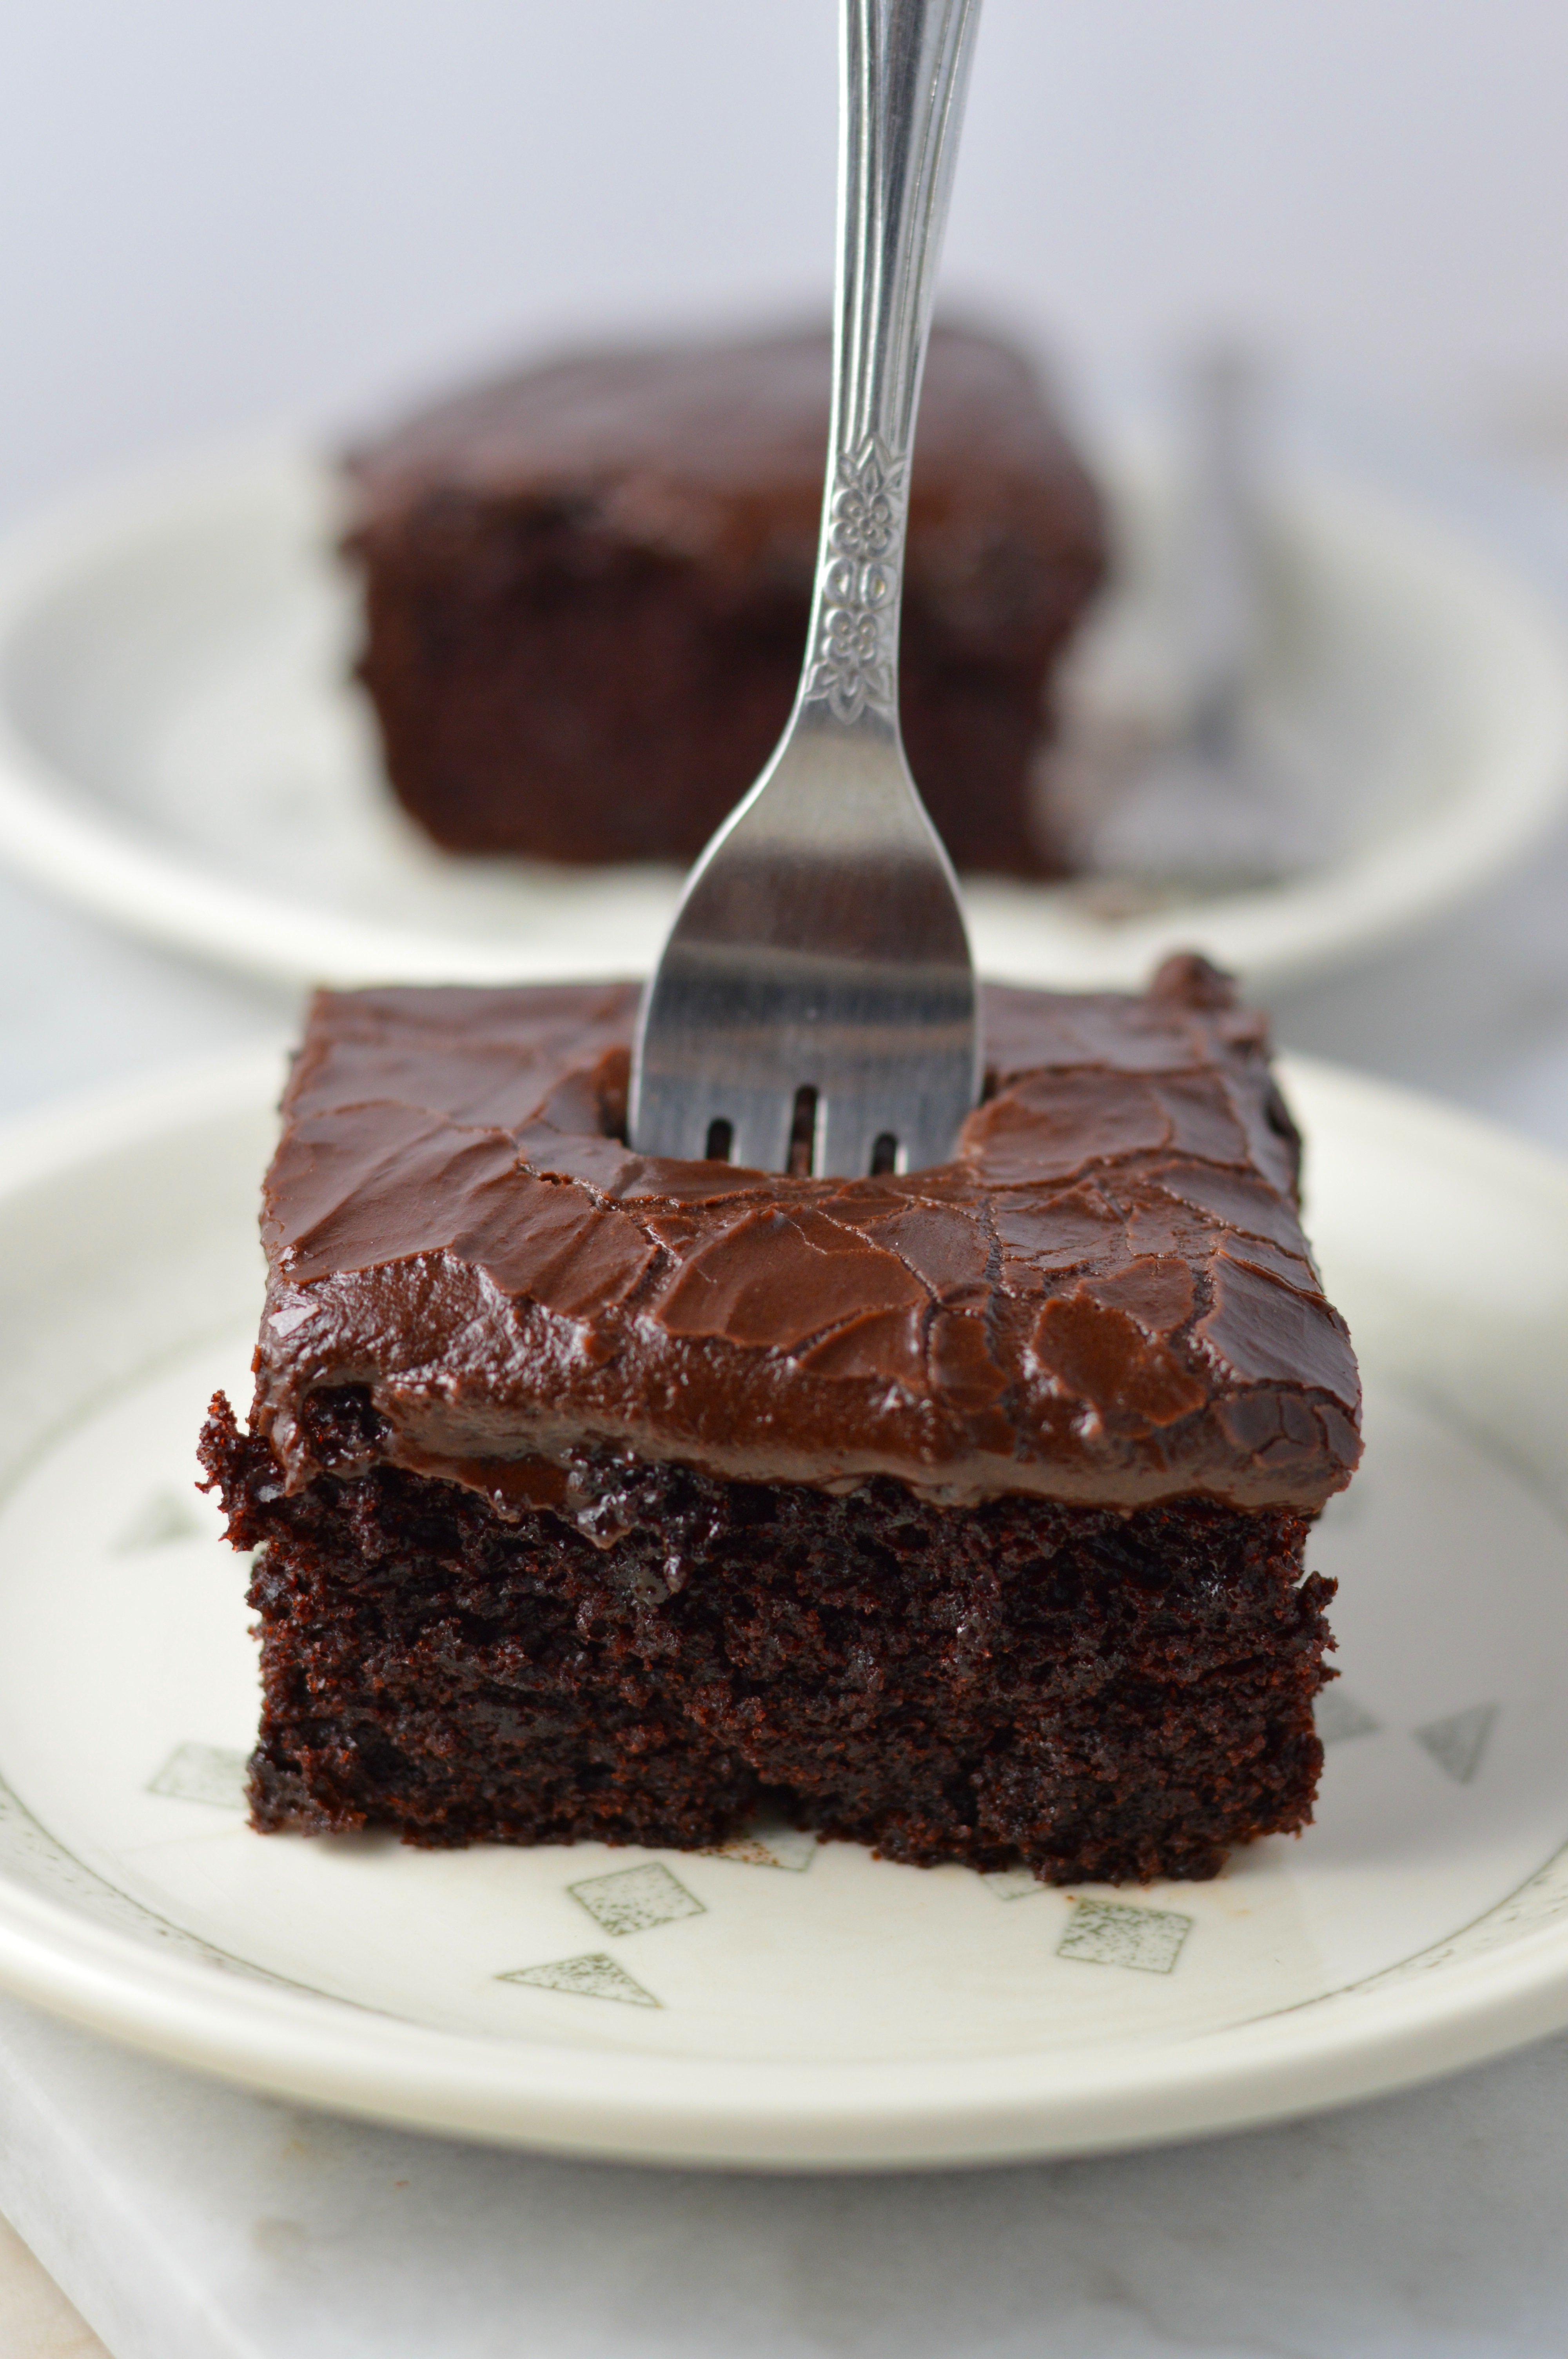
{"points": [[904, 69]]}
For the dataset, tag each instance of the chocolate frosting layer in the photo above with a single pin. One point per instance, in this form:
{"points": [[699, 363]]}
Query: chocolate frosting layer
{"points": [[1106, 1296]]}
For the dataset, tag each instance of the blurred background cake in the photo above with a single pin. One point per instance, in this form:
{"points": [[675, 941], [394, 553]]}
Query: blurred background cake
{"points": [[586, 589]]}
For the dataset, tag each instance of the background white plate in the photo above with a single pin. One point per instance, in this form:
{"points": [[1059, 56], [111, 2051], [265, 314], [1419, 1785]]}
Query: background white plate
{"points": [[788, 2004], [180, 752]]}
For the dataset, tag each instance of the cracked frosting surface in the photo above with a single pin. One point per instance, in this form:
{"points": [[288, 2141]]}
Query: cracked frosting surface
{"points": [[1106, 1296]]}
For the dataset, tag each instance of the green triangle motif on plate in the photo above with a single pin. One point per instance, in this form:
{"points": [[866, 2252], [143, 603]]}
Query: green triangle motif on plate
{"points": [[204, 1773], [160, 1521], [1339, 1717], [593, 1976], [1457, 1743]]}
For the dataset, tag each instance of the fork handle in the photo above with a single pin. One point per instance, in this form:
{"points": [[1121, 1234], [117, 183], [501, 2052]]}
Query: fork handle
{"points": [[903, 68]]}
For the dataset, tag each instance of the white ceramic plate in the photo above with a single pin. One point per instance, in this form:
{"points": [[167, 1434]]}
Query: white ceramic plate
{"points": [[784, 2004], [180, 752]]}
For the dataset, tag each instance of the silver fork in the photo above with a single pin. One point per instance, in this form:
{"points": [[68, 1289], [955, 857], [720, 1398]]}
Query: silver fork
{"points": [[814, 1008]]}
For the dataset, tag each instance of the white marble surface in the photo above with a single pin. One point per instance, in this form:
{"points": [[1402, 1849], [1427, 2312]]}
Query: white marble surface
{"points": [[36, 2319], [191, 2222], [195, 2222]]}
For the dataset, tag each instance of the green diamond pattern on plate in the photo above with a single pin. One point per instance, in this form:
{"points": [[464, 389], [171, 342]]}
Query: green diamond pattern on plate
{"points": [[1012, 1883], [161, 1521], [769, 1843], [591, 1976], [634, 1899], [1339, 1717], [1111, 1933], [1458, 1743], [203, 1773]]}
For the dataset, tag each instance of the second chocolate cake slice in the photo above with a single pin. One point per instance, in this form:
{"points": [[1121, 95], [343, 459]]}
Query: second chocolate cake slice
{"points": [[586, 591], [960, 1514]]}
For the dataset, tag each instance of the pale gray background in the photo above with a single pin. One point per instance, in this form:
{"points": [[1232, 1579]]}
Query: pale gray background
{"points": [[219, 211]]}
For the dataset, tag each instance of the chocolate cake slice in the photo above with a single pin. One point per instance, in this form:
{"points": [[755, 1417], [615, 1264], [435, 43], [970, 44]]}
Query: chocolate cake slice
{"points": [[961, 1514], [586, 591]]}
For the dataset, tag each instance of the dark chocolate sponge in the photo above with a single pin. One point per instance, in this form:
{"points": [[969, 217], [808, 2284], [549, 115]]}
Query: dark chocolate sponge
{"points": [[1100, 1695]]}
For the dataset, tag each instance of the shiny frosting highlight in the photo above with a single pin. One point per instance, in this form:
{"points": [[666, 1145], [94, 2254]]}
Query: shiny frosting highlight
{"points": [[1106, 1296]]}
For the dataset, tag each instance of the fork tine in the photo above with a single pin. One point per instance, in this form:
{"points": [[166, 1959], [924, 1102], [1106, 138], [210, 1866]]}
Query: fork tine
{"points": [[762, 1131]]}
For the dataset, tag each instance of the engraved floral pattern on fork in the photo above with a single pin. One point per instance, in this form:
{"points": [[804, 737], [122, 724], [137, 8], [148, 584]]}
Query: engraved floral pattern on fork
{"points": [[853, 662]]}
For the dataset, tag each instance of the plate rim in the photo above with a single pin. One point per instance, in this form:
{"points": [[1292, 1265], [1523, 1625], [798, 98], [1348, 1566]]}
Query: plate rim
{"points": [[803, 2116], [616, 2105], [1397, 887]]}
